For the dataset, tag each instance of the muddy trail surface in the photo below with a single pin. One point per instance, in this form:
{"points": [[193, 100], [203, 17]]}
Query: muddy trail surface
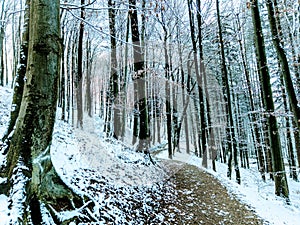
{"points": [[201, 199]]}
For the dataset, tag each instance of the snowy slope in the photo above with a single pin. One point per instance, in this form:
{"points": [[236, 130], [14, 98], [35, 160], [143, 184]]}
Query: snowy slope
{"points": [[125, 187]]}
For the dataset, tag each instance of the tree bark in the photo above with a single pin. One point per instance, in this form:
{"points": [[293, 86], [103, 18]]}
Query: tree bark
{"points": [[232, 146], [19, 80], [203, 125], [281, 186], [79, 79], [89, 62], [254, 118], [114, 103], [139, 81], [278, 44], [2, 38], [29, 153]]}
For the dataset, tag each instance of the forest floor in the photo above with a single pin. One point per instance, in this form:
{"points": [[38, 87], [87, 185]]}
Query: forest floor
{"points": [[202, 199], [127, 189]]}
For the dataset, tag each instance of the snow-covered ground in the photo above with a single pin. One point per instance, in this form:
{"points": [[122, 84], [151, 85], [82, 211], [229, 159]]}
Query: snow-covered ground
{"points": [[125, 186], [254, 192]]}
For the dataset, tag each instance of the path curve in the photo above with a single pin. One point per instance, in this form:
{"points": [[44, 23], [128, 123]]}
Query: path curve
{"points": [[201, 199]]}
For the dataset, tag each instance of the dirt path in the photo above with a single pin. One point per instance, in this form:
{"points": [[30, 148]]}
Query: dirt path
{"points": [[201, 199]]}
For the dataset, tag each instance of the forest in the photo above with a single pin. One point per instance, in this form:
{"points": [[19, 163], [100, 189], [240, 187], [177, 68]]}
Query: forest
{"points": [[135, 92]]}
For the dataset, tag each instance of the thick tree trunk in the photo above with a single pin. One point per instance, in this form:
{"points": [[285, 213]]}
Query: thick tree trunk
{"points": [[29, 152], [114, 101], [281, 186], [139, 81]]}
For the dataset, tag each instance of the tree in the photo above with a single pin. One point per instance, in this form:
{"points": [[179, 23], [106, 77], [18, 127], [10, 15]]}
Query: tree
{"points": [[232, 145], [199, 77], [3, 15], [281, 186], [278, 44], [28, 161], [112, 100], [79, 80], [139, 80], [19, 80]]}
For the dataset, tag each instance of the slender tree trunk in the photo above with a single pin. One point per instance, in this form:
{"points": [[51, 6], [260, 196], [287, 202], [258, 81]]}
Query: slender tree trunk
{"points": [[289, 127], [68, 47], [2, 35], [62, 88], [168, 95], [277, 42], [253, 116], [89, 61], [206, 124], [203, 124], [185, 119], [74, 75], [79, 78], [232, 146], [19, 80], [124, 87]]}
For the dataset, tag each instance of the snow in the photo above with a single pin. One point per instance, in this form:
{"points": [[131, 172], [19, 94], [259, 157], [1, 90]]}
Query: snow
{"points": [[253, 191], [122, 183], [5, 102], [117, 163], [4, 209]]}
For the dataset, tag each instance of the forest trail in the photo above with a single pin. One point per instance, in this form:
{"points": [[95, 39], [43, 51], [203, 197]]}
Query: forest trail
{"points": [[201, 199]]}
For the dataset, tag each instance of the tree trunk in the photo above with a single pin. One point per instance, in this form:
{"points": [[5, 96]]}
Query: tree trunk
{"points": [[124, 86], [281, 186], [289, 127], [2, 38], [203, 146], [254, 118], [32, 161], [113, 98], [277, 42], [19, 80], [139, 81], [2, 34], [168, 103], [79, 80], [89, 61], [227, 98], [62, 88]]}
